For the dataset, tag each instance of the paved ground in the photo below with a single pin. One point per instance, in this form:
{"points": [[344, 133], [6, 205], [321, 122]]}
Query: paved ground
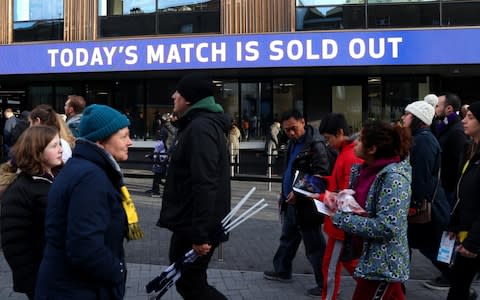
{"points": [[245, 256]]}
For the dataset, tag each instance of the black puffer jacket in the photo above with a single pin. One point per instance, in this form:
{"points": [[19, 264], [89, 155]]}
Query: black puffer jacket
{"points": [[466, 213], [22, 228], [197, 190], [313, 159]]}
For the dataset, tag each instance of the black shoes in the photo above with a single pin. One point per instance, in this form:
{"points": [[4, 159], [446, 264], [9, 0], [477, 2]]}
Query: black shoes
{"points": [[440, 284], [272, 275], [315, 292]]}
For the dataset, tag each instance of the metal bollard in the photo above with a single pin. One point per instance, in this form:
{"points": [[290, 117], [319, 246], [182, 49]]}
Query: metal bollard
{"points": [[220, 252], [269, 163]]}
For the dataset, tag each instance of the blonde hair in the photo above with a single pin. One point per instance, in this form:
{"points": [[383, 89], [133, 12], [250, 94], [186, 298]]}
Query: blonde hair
{"points": [[65, 132]]}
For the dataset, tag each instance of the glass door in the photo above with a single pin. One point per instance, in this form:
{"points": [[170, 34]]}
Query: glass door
{"points": [[256, 106]]}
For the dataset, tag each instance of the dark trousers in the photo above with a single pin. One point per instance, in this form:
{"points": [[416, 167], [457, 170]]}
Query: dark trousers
{"points": [[157, 180], [464, 270], [290, 240], [193, 282], [426, 238]]}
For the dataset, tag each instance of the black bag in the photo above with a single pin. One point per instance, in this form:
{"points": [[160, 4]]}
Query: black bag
{"points": [[352, 247]]}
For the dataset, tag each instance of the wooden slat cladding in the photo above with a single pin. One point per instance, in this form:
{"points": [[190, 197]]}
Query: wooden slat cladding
{"points": [[80, 19], [6, 21], [254, 16]]}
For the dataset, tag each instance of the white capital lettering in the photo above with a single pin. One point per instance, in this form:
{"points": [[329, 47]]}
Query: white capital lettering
{"points": [[329, 49], [251, 48], [295, 50], [220, 51], [395, 41], [188, 51], [155, 55], [381, 48], [81, 55], [109, 52], [173, 55], [53, 53], [131, 54], [361, 48], [198, 52], [276, 49], [309, 49], [66, 57]]}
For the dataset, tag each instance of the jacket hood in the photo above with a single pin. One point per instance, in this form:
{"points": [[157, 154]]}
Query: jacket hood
{"points": [[403, 168], [222, 119], [207, 104]]}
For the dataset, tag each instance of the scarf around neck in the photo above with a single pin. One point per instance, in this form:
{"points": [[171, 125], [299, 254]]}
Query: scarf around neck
{"points": [[367, 175], [134, 232]]}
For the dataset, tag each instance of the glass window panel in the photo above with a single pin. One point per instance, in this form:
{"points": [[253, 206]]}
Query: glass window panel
{"points": [[40, 30], [461, 13], [327, 2], [182, 4], [188, 16], [330, 17], [138, 6], [135, 24], [228, 98], [28, 10], [348, 100], [390, 16], [399, 1]]}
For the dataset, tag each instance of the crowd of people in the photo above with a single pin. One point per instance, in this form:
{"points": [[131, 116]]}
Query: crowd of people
{"points": [[387, 189]]}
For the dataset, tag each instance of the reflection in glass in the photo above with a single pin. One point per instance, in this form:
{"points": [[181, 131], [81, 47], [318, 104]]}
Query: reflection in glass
{"points": [[393, 15], [458, 13], [327, 2], [330, 17], [29, 10], [142, 17], [348, 100]]}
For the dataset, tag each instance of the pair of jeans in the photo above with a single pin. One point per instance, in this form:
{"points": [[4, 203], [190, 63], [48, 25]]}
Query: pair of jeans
{"points": [[193, 282], [290, 240]]}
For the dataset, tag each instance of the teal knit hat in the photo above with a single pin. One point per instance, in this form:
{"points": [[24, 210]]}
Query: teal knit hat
{"points": [[100, 121]]}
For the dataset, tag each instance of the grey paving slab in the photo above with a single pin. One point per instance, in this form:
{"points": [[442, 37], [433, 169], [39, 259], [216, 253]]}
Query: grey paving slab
{"points": [[245, 256]]}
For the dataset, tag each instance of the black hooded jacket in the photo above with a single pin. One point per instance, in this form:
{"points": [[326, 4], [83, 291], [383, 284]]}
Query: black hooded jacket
{"points": [[315, 159], [197, 190]]}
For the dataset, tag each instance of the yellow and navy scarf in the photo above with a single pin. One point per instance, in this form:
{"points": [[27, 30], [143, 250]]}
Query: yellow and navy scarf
{"points": [[134, 231]]}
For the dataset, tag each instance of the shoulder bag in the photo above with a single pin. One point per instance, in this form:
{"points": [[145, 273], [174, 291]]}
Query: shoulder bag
{"points": [[424, 213]]}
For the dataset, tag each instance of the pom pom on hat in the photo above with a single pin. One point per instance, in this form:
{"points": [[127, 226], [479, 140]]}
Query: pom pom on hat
{"points": [[195, 86], [474, 108], [100, 121], [431, 99], [422, 110]]}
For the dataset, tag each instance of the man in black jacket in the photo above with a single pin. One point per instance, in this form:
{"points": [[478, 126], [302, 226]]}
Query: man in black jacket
{"points": [[306, 152], [452, 140], [197, 190]]}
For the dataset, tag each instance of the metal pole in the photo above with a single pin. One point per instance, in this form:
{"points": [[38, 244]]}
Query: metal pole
{"points": [[232, 161], [220, 252], [269, 170]]}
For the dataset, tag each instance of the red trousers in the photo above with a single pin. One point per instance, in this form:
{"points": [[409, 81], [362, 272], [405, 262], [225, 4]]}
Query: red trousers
{"points": [[332, 268], [378, 290]]}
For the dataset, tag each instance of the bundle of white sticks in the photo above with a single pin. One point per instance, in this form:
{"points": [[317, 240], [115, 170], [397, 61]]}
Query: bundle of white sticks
{"points": [[160, 284]]}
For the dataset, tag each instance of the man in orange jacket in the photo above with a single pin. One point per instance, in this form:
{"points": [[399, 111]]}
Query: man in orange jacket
{"points": [[335, 129]]}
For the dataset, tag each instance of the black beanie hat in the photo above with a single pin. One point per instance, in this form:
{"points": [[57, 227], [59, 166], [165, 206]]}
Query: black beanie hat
{"points": [[195, 86], [474, 108]]}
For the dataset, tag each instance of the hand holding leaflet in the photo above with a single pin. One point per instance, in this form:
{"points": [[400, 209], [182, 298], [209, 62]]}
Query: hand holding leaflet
{"points": [[343, 201], [447, 248], [347, 203]]}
